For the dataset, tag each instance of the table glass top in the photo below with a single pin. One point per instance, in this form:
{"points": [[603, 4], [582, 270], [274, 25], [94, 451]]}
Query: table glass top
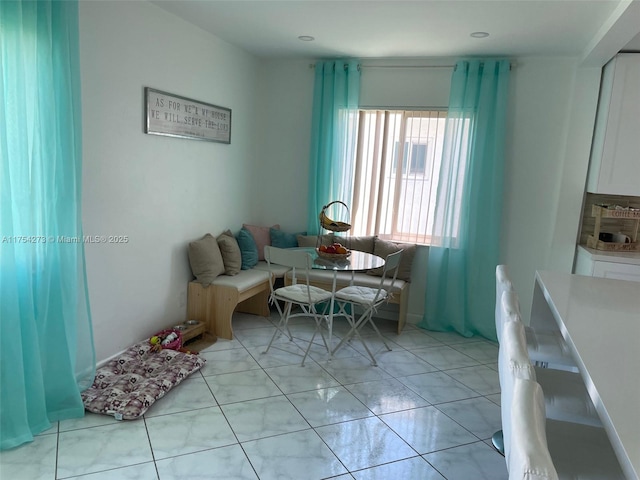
{"points": [[357, 261]]}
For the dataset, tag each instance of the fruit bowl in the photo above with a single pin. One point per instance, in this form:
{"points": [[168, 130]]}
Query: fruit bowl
{"points": [[333, 256]]}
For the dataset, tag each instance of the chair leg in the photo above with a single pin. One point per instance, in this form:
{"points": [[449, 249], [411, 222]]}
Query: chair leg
{"points": [[498, 442], [318, 317], [356, 331], [283, 323], [379, 334], [318, 320]]}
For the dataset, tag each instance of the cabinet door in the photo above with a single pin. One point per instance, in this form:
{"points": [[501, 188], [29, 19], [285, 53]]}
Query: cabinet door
{"points": [[620, 271], [615, 162], [584, 264]]}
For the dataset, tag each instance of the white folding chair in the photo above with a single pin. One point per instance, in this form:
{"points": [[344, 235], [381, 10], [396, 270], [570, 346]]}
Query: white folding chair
{"points": [[302, 294], [368, 299], [546, 348], [529, 457]]}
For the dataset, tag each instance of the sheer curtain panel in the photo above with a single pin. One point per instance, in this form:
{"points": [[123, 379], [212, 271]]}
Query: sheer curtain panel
{"points": [[466, 228], [46, 346], [333, 136]]}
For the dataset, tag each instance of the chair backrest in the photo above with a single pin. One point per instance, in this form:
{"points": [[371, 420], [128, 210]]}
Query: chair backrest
{"points": [[298, 260], [513, 361], [529, 457], [390, 270], [503, 284], [287, 257]]}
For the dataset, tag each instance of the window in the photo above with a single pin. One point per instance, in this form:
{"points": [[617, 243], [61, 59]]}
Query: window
{"points": [[396, 173]]}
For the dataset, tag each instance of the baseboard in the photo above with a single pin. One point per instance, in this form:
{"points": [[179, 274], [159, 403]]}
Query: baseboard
{"points": [[102, 363]]}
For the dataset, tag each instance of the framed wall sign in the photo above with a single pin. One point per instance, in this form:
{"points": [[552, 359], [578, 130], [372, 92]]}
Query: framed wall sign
{"points": [[176, 116]]}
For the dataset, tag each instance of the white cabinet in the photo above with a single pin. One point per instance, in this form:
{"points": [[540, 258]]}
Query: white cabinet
{"points": [[596, 263], [614, 166]]}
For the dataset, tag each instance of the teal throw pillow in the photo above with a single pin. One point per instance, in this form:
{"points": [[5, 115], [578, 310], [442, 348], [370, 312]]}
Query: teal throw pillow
{"points": [[248, 249], [282, 239]]}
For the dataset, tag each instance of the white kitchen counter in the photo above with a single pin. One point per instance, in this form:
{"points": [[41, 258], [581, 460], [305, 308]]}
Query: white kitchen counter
{"points": [[632, 258], [600, 321]]}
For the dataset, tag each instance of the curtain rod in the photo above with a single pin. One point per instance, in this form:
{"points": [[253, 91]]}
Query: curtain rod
{"points": [[407, 66], [313, 65], [512, 65]]}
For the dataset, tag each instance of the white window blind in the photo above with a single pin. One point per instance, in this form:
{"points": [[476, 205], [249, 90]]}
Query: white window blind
{"points": [[396, 174]]}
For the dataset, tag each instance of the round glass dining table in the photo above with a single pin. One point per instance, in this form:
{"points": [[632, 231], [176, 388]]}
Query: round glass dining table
{"points": [[356, 262]]}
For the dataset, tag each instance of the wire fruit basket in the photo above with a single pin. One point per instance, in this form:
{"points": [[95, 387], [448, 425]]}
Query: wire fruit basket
{"points": [[333, 225], [333, 256]]}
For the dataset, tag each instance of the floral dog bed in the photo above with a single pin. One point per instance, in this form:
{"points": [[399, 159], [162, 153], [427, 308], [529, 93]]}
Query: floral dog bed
{"points": [[129, 384]]}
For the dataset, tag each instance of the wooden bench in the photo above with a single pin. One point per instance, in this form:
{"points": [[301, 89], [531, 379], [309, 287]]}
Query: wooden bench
{"points": [[214, 304]]}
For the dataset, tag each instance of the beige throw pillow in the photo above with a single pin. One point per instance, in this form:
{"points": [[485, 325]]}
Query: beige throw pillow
{"points": [[205, 259], [230, 251], [382, 248], [307, 241]]}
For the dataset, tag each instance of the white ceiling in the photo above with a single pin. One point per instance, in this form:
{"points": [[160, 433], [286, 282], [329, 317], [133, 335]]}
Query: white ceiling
{"points": [[397, 28]]}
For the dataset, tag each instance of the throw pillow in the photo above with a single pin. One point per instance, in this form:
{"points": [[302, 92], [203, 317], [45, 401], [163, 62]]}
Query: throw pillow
{"points": [[248, 249], [281, 239], [231, 255], [382, 248], [261, 236], [312, 240], [205, 259]]}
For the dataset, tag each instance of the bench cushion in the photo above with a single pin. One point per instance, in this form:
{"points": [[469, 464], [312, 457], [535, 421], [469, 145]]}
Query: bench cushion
{"points": [[244, 280], [278, 270]]}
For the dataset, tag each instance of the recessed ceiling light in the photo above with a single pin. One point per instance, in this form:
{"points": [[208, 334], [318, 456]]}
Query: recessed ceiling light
{"points": [[479, 34], [306, 38]]}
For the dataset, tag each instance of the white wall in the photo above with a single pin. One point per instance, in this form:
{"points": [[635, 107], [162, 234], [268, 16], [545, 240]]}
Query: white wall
{"points": [[161, 192], [281, 166], [551, 116]]}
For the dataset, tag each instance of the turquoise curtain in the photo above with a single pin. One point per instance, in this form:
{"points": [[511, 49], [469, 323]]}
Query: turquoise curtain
{"points": [[460, 293], [47, 354], [333, 136]]}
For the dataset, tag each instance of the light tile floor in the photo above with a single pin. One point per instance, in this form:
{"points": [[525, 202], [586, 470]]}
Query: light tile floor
{"points": [[427, 411]]}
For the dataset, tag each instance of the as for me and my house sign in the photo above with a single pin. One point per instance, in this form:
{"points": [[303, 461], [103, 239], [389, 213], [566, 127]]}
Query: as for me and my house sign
{"points": [[176, 116]]}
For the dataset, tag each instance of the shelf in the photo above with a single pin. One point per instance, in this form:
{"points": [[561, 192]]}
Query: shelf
{"points": [[612, 246], [601, 212]]}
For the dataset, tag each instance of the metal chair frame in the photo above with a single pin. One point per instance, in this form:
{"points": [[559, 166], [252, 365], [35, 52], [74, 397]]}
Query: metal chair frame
{"points": [[348, 296], [303, 295]]}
